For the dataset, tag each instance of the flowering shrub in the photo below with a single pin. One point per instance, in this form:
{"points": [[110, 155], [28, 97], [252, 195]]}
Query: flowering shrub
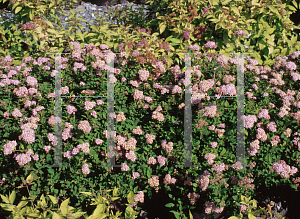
{"points": [[149, 117], [148, 156]]}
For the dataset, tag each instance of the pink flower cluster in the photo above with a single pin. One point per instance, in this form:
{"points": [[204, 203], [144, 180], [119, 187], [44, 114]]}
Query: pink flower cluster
{"points": [[151, 160], [204, 86], [226, 89], [261, 134], [211, 110], [29, 26], [139, 197], [84, 147], [9, 147], [243, 208], [240, 32], [85, 169], [27, 133], [210, 207], [272, 127], [130, 144], [284, 170], [150, 138], [22, 159], [124, 167], [98, 141], [219, 167], [121, 117], [186, 35], [16, 113], [169, 180], [131, 155], [264, 113], [210, 44], [210, 158], [154, 181], [71, 109], [66, 134], [214, 144], [47, 148], [161, 160], [157, 115], [254, 147], [249, 121], [203, 180], [137, 131], [237, 166], [138, 95], [167, 147], [84, 126], [135, 175], [144, 75], [88, 105], [193, 196], [275, 140]]}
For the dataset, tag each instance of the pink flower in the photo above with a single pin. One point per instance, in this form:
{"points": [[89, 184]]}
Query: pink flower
{"points": [[35, 157], [98, 141], [84, 126], [186, 35], [214, 144], [210, 44], [47, 148], [161, 160], [139, 197], [135, 175], [85, 169], [71, 109], [240, 32], [124, 167]]}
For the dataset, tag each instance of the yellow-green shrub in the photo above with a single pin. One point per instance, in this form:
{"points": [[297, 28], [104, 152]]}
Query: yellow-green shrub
{"points": [[42, 210]]}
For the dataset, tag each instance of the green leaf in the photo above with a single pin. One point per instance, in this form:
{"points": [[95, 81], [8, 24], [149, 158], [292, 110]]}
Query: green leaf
{"points": [[223, 152], [18, 9], [55, 216], [12, 197], [191, 216], [115, 192], [64, 206], [170, 205], [22, 204], [53, 199], [87, 193], [130, 197], [5, 199], [162, 28]]}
